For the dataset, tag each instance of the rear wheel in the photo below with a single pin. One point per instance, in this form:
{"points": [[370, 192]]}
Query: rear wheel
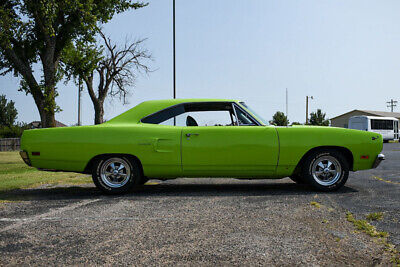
{"points": [[116, 174], [326, 170]]}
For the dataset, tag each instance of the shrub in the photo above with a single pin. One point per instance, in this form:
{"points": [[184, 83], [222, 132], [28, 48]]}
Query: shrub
{"points": [[14, 131]]}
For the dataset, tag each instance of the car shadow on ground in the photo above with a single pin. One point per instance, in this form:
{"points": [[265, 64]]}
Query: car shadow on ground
{"points": [[168, 189]]}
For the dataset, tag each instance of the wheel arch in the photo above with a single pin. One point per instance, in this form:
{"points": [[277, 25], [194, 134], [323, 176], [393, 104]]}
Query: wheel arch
{"points": [[345, 151], [90, 165]]}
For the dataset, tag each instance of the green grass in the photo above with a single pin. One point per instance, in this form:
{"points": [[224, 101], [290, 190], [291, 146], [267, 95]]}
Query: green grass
{"points": [[365, 227], [315, 204], [375, 216], [15, 174]]}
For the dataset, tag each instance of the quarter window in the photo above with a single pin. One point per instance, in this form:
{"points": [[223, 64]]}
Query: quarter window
{"points": [[164, 115]]}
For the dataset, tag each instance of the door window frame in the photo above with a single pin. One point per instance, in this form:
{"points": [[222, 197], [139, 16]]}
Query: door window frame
{"points": [[234, 107], [254, 120]]}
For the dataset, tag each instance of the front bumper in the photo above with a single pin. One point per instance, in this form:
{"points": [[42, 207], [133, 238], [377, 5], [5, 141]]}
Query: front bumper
{"points": [[24, 156], [378, 160]]}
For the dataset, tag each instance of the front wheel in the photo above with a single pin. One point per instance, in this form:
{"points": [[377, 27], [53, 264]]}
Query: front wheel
{"points": [[116, 174], [326, 170]]}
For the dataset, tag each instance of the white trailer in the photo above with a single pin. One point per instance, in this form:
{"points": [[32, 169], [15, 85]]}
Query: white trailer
{"points": [[388, 127]]}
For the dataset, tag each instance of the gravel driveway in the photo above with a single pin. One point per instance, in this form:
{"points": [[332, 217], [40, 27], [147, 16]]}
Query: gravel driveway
{"points": [[203, 221]]}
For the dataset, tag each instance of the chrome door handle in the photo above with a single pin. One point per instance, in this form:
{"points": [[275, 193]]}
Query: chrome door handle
{"points": [[190, 134]]}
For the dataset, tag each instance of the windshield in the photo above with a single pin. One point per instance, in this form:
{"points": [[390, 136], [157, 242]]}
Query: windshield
{"points": [[254, 113]]}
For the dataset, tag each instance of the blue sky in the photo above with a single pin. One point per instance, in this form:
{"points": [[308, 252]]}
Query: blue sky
{"points": [[344, 53]]}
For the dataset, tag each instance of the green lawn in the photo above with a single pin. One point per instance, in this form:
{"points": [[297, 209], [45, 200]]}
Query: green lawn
{"points": [[15, 174]]}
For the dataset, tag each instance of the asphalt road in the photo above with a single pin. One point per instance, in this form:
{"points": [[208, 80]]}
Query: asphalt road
{"points": [[203, 222]]}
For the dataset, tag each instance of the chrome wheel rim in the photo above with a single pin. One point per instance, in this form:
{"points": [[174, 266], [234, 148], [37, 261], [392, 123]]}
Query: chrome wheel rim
{"points": [[326, 170], [115, 172]]}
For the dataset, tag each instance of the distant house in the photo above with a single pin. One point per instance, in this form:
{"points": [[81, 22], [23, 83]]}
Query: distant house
{"points": [[343, 120], [38, 124]]}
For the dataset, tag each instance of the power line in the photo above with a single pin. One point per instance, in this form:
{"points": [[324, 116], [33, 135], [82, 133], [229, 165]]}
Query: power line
{"points": [[391, 104]]}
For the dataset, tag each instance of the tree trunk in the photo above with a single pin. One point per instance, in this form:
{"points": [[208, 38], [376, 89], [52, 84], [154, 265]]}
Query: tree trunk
{"points": [[50, 64], [48, 119], [46, 115], [98, 112], [98, 102], [46, 111]]}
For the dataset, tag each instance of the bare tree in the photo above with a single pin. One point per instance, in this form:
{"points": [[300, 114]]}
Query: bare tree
{"points": [[115, 67]]}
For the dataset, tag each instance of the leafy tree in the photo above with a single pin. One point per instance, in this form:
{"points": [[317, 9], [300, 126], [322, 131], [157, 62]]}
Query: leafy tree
{"points": [[8, 113], [318, 118], [279, 119], [115, 67], [34, 32]]}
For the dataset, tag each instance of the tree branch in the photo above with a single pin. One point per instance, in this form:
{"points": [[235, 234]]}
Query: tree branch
{"points": [[25, 70]]}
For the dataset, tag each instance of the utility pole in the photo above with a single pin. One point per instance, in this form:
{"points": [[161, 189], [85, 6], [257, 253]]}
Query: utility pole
{"points": [[287, 104], [392, 103], [173, 46], [307, 107], [79, 101], [173, 52]]}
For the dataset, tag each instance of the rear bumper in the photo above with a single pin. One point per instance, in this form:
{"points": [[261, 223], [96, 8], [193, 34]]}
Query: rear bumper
{"points": [[25, 157], [378, 160]]}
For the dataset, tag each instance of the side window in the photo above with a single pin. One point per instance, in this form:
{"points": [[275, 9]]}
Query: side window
{"points": [[244, 118], [389, 125], [381, 124], [205, 118], [375, 124], [195, 114], [164, 115], [202, 114]]}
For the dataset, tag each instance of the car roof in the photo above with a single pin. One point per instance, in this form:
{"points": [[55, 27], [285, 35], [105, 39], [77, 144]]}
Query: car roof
{"points": [[135, 114]]}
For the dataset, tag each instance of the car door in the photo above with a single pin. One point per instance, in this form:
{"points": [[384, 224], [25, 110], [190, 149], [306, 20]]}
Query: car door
{"points": [[158, 147], [232, 151]]}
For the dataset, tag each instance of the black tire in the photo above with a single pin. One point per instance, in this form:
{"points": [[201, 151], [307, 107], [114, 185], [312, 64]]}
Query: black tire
{"points": [[297, 179], [336, 174], [143, 180], [131, 180]]}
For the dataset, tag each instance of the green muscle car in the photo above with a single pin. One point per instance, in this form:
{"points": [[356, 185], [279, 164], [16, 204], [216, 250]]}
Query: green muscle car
{"points": [[166, 139]]}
